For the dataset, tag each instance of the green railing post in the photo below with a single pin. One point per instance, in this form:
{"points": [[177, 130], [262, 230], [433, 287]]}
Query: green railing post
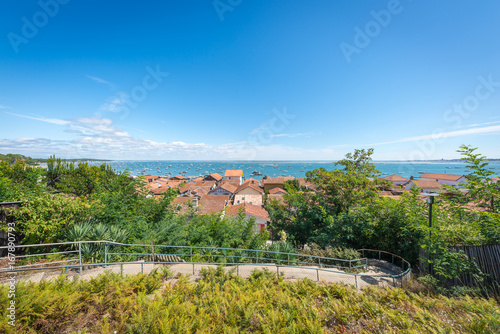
{"points": [[256, 256], [317, 275], [191, 253], [105, 255], [142, 267], [153, 254], [288, 258], [225, 259], [80, 255], [356, 279]]}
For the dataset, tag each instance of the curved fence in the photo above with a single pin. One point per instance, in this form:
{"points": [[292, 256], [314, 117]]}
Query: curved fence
{"points": [[88, 257]]}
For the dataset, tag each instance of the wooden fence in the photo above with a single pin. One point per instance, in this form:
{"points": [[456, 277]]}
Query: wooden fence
{"points": [[487, 257]]}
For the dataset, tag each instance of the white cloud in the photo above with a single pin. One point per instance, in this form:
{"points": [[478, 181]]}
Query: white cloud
{"points": [[101, 81], [3, 106], [291, 135], [42, 119], [115, 102], [441, 135]]}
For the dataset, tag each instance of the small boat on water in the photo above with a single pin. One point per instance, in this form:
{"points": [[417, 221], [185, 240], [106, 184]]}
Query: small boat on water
{"points": [[255, 172]]}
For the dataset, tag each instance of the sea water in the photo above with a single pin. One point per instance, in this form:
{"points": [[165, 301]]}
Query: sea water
{"points": [[257, 169]]}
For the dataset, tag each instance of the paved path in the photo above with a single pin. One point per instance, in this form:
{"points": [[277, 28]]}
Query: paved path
{"points": [[289, 273]]}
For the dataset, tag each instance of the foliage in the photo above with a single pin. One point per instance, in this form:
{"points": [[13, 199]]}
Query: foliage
{"points": [[21, 175], [342, 189], [134, 304], [480, 186], [5, 192], [292, 185], [41, 217], [207, 230]]}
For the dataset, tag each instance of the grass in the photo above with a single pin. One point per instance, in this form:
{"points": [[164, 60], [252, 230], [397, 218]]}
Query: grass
{"points": [[225, 303]]}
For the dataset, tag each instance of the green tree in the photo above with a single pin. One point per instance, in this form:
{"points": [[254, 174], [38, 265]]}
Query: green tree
{"points": [[480, 187], [350, 186]]}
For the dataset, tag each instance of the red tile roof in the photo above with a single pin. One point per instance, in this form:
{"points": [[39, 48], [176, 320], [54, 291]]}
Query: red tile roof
{"points": [[233, 173], [215, 176], [229, 187], [178, 177], [427, 184], [436, 176], [251, 209], [394, 178], [249, 185], [277, 180], [252, 181], [277, 190]]}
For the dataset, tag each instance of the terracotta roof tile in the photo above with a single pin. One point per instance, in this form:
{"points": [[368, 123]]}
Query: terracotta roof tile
{"points": [[427, 184], [215, 176], [229, 187], [251, 209], [249, 185], [394, 178], [277, 180], [277, 190], [436, 176], [233, 173]]}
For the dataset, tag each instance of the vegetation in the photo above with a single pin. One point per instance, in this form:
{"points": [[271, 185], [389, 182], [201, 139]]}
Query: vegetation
{"points": [[76, 201], [225, 303], [347, 211]]}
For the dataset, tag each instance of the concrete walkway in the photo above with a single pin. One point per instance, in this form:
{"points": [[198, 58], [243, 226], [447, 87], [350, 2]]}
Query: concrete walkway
{"points": [[291, 273]]}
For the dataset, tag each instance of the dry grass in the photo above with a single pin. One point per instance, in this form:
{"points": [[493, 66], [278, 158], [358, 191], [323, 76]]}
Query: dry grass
{"points": [[224, 303]]}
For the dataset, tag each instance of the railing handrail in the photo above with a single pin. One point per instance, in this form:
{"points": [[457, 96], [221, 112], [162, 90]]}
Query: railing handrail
{"points": [[108, 242]]}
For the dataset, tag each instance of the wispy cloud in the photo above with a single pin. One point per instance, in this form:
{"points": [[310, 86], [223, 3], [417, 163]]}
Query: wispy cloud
{"points": [[115, 102], [292, 135], [478, 124], [101, 81], [441, 135], [3, 106], [42, 119]]}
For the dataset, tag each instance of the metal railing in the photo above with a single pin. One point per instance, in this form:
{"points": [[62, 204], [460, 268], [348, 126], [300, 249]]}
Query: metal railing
{"points": [[204, 256]]}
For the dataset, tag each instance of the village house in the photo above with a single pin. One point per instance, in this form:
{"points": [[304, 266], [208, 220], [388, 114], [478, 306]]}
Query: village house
{"points": [[425, 185], [448, 179], [249, 192], [178, 178], [395, 179], [277, 194], [150, 178], [275, 182], [224, 189], [234, 175], [214, 177], [249, 210]]}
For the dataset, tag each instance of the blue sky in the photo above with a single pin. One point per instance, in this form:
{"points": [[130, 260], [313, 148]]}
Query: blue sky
{"points": [[231, 79]]}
